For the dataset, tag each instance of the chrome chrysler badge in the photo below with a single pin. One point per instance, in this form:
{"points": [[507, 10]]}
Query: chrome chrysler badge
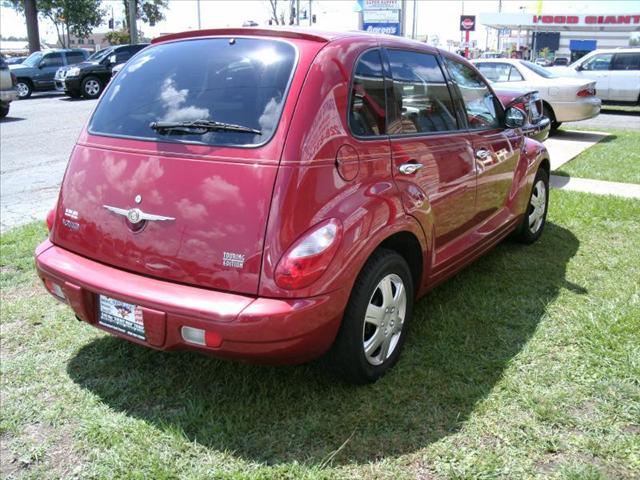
{"points": [[135, 215]]}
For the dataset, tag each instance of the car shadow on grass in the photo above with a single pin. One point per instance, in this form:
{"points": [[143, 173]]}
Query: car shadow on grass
{"points": [[463, 336]]}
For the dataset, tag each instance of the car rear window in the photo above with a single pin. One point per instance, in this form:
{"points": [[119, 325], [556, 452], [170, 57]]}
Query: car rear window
{"points": [[241, 81]]}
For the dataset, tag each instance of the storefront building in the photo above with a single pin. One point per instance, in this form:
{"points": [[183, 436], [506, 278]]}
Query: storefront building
{"points": [[564, 35]]}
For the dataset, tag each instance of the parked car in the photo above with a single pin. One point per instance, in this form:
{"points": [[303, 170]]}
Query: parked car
{"points": [[560, 61], [492, 55], [37, 71], [537, 126], [89, 78], [564, 99], [616, 73], [543, 62], [278, 195], [15, 60], [8, 92]]}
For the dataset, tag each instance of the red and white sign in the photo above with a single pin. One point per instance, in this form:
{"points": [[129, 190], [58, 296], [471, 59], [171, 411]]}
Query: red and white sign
{"points": [[467, 23], [587, 19]]}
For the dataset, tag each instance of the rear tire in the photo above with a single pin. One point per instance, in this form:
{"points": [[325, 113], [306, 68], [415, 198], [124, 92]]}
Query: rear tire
{"points": [[73, 94], [4, 110], [25, 89], [548, 112], [374, 325], [91, 87], [535, 217]]}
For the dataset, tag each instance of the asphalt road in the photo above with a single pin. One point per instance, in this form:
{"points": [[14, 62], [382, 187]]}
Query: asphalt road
{"points": [[36, 139], [38, 136]]}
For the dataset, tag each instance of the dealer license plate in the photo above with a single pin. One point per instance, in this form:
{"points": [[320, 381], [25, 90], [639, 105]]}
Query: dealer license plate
{"points": [[121, 316]]}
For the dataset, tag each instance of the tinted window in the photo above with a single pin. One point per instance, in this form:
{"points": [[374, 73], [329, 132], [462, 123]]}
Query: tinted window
{"points": [[52, 60], [242, 82], [421, 93], [598, 62], [367, 109], [499, 72], [75, 57], [479, 102], [626, 61]]}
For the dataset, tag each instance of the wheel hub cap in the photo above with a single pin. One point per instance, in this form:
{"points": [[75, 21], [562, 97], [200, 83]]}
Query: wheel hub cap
{"points": [[384, 319], [537, 206]]}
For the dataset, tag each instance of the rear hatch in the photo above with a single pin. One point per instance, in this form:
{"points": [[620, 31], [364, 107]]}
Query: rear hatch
{"points": [[182, 201]]}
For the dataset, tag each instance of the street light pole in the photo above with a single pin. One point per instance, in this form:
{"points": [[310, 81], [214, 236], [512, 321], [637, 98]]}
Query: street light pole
{"points": [[133, 28], [199, 24]]}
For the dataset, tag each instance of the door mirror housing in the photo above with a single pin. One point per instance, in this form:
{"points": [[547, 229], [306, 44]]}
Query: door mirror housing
{"points": [[515, 118], [112, 59]]}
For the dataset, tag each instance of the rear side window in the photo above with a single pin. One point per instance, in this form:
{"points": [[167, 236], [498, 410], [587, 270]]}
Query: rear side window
{"points": [[479, 102], [421, 91], [367, 108], [626, 61], [499, 72], [52, 60], [75, 57], [238, 82]]}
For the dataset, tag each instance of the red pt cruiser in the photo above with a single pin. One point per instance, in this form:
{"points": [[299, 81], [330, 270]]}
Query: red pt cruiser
{"points": [[275, 195]]}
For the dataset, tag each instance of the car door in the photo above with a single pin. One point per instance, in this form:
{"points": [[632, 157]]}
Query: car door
{"points": [[432, 157], [47, 68], [597, 68], [493, 147], [624, 80]]}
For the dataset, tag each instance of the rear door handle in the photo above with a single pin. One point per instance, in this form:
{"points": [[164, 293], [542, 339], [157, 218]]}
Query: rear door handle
{"points": [[410, 168]]}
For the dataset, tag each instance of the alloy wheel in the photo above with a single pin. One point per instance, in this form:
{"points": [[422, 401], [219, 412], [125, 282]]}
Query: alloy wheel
{"points": [[384, 319], [23, 89], [537, 206], [92, 87]]}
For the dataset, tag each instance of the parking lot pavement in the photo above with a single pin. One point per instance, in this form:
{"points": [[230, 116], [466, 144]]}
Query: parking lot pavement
{"points": [[36, 139]]}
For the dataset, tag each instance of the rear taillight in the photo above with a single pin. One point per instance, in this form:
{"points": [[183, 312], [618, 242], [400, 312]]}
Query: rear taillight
{"points": [[51, 216], [587, 92], [309, 257], [14, 79]]}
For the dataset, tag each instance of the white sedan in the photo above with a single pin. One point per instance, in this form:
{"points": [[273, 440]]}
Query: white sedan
{"points": [[564, 99]]}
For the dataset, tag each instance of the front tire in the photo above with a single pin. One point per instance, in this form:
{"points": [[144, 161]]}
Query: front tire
{"points": [[73, 93], [25, 89], [91, 87], [535, 216], [374, 325]]}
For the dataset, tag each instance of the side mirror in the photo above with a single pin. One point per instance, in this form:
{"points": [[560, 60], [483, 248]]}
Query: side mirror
{"points": [[515, 118], [579, 68], [42, 64], [112, 59]]}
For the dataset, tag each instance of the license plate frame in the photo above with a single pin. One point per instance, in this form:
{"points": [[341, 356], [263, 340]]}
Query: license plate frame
{"points": [[121, 316]]}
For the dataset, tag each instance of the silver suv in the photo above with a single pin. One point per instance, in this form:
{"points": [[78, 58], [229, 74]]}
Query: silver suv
{"points": [[8, 92]]}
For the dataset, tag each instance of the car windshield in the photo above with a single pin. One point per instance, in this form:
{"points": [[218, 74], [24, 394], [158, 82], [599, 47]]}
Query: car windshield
{"points": [[33, 60], [543, 72], [242, 82], [99, 55]]}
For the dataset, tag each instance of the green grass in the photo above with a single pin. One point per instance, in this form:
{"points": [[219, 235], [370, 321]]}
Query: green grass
{"points": [[620, 109], [616, 158], [524, 365]]}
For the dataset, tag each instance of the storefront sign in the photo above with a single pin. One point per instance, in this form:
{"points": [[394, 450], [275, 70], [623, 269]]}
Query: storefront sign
{"points": [[381, 16], [382, 28], [467, 23], [381, 4], [587, 19]]}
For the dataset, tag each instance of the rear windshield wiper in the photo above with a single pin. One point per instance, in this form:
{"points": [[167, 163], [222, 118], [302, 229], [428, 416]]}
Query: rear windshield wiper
{"points": [[199, 126]]}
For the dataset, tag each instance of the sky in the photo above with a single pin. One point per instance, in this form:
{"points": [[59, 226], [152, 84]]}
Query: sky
{"points": [[435, 18]]}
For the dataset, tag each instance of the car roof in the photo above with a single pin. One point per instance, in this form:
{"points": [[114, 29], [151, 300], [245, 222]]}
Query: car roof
{"points": [[324, 36], [615, 50], [497, 60]]}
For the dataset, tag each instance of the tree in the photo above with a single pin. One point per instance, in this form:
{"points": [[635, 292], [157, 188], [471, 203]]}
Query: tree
{"points": [[149, 11], [118, 37], [69, 17]]}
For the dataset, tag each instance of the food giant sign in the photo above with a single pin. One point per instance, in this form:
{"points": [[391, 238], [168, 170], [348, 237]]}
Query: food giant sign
{"points": [[587, 19]]}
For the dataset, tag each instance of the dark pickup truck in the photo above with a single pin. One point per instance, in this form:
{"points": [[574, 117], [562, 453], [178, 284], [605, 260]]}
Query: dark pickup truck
{"points": [[88, 79]]}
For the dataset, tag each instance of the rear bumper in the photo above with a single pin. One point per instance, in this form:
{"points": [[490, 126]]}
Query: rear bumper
{"points": [[538, 131], [7, 96], [262, 330], [582, 109]]}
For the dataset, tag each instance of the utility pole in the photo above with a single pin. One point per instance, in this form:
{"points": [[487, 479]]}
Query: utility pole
{"points": [[297, 12], [133, 28], [199, 22], [31, 15], [414, 25], [310, 14]]}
